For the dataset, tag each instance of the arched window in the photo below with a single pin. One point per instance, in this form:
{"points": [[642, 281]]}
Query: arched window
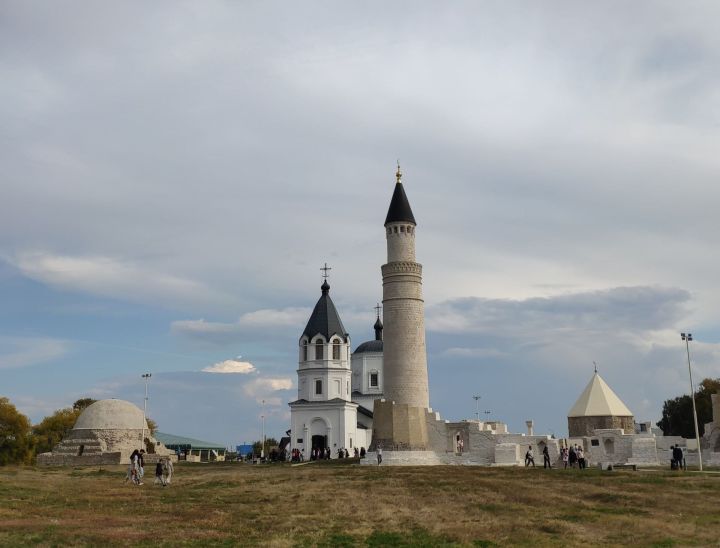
{"points": [[319, 349], [336, 349], [305, 351]]}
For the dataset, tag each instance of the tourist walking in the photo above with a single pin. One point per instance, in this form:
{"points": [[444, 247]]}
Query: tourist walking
{"points": [[546, 458], [572, 456], [168, 470], [141, 465], [379, 455], [159, 474], [131, 475], [529, 458], [580, 457]]}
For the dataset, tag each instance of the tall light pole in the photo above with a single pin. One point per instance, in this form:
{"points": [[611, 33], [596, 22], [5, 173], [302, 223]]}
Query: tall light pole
{"points": [[477, 407], [145, 376], [487, 414], [262, 418], [687, 338]]}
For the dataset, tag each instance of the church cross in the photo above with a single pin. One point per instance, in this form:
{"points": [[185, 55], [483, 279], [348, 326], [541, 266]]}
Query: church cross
{"points": [[325, 271]]}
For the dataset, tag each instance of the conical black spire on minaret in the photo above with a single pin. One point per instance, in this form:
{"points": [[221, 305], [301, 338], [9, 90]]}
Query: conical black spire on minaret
{"points": [[399, 210]]}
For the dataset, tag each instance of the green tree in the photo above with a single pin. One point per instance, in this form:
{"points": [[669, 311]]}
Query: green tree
{"points": [[677, 413], [51, 430], [82, 403], [269, 444], [152, 425], [15, 442]]}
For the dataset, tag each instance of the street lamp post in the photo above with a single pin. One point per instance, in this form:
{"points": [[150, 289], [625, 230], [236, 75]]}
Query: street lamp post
{"points": [[477, 407], [145, 376], [262, 418], [687, 338], [487, 414]]}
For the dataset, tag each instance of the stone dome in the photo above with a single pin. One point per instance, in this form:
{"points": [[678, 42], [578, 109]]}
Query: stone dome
{"points": [[111, 415]]}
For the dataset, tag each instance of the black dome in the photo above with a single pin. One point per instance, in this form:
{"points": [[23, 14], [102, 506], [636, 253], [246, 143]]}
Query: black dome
{"points": [[369, 346]]}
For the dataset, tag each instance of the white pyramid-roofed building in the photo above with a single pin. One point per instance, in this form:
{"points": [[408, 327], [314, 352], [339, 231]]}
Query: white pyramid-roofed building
{"points": [[598, 407]]}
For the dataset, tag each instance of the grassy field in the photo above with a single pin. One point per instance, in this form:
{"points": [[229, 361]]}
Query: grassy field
{"points": [[320, 505]]}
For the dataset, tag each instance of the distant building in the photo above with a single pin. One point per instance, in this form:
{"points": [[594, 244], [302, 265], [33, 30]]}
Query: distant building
{"points": [[191, 449], [598, 407], [106, 432]]}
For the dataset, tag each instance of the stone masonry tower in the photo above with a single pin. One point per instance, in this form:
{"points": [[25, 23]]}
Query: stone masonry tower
{"points": [[406, 378], [400, 420]]}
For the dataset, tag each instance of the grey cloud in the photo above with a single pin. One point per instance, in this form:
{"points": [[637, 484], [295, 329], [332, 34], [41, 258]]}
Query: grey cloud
{"points": [[618, 309]]}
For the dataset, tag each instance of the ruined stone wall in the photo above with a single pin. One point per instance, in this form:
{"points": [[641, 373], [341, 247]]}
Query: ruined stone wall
{"points": [[579, 427], [103, 459]]}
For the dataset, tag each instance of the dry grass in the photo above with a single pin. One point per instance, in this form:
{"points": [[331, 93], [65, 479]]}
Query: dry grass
{"points": [[236, 504]]}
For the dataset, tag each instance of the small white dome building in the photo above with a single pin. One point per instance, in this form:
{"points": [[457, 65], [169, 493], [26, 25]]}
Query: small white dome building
{"points": [[112, 415], [106, 432]]}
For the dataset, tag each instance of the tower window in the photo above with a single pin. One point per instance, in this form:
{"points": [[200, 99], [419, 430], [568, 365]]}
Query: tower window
{"points": [[374, 379], [402, 229], [319, 350], [395, 229], [318, 387], [305, 351], [336, 350]]}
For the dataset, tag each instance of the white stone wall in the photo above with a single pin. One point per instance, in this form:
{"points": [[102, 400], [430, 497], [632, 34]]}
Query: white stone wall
{"points": [[335, 374], [362, 366]]}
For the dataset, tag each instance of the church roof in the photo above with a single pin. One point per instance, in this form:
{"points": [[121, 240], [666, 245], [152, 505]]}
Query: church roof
{"points": [[369, 346], [324, 319], [598, 400], [399, 210], [172, 441]]}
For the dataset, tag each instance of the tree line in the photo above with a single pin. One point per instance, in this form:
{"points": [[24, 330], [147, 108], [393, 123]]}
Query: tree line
{"points": [[21, 441]]}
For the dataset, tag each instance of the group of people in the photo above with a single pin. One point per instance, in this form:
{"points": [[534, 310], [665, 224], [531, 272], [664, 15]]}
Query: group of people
{"points": [[678, 459], [573, 456], [136, 470], [319, 453]]}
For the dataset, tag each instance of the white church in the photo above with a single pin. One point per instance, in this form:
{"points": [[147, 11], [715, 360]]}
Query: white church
{"points": [[336, 389]]}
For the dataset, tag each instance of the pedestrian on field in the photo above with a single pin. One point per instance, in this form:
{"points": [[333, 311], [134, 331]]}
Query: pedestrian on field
{"points": [[529, 458], [546, 458], [379, 455]]}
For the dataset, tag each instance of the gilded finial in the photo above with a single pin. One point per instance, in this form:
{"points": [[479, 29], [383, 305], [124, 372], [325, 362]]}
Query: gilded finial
{"points": [[398, 174]]}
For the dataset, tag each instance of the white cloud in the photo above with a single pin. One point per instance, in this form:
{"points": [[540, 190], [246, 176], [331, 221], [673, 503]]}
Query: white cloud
{"points": [[28, 351], [231, 366], [110, 277], [251, 323], [264, 388]]}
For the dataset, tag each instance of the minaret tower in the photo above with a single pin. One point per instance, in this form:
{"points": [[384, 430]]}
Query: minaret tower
{"points": [[401, 418], [406, 378]]}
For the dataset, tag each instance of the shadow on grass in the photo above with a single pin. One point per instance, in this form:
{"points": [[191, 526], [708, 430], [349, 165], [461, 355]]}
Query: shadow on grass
{"points": [[416, 537]]}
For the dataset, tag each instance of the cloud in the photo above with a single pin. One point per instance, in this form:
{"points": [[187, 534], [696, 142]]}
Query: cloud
{"points": [[110, 277], [249, 325], [231, 366], [16, 352], [622, 308]]}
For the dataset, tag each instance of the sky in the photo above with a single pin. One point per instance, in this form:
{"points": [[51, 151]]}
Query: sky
{"points": [[174, 175]]}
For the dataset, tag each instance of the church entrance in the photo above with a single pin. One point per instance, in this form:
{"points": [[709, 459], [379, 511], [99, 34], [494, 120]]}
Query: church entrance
{"points": [[319, 442]]}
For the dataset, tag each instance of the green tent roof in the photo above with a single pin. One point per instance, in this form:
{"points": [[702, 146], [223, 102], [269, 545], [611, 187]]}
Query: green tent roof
{"points": [[172, 441]]}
